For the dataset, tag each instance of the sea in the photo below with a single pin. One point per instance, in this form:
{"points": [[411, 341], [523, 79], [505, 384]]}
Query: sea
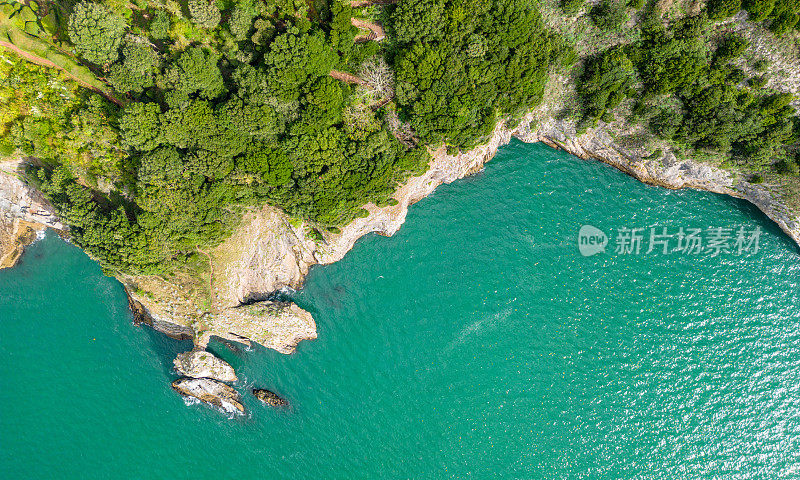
{"points": [[546, 318]]}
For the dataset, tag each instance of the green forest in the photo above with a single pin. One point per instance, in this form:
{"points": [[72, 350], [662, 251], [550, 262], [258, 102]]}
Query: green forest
{"points": [[151, 125]]}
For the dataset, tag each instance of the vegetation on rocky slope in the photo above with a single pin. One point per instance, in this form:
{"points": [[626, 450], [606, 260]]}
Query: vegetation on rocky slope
{"points": [[198, 110]]}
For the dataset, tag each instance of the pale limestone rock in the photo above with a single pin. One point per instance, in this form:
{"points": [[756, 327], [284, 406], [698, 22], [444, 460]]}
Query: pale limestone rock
{"points": [[23, 212], [265, 251], [276, 325], [200, 364], [210, 391]]}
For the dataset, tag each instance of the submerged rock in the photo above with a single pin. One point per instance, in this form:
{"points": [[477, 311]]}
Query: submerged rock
{"points": [[233, 348], [202, 364], [270, 398], [211, 392]]}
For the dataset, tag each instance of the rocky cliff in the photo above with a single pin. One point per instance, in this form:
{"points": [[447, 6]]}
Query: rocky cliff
{"points": [[24, 213], [271, 252], [268, 253]]}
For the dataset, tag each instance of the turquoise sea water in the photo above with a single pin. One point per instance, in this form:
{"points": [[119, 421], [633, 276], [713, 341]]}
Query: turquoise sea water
{"points": [[475, 343]]}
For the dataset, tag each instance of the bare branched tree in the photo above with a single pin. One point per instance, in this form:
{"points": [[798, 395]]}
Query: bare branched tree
{"points": [[400, 129], [378, 78]]}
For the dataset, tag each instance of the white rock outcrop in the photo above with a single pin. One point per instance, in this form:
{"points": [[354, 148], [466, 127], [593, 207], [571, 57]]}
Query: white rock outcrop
{"points": [[203, 364]]}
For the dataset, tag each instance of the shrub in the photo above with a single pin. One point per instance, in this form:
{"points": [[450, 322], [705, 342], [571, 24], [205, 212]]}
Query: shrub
{"points": [[205, 14], [572, 7], [606, 81], [730, 48], [736, 76], [760, 65], [666, 123], [784, 22], [758, 82], [783, 15], [788, 167], [721, 9], [609, 15], [758, 9]]}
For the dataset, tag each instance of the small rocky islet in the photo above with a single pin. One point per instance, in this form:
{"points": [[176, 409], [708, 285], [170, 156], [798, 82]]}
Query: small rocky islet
{"points": [[202, 364], [210, 391], [269, 398], [205, 377]]}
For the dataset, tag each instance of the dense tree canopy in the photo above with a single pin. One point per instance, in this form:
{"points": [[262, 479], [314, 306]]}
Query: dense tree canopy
{"points": [[462, 64], [217, 106], [701, 102]]}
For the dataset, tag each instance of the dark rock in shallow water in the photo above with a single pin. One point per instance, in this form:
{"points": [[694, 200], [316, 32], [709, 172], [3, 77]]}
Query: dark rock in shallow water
{"points": [[211, 392], [270, 398]]}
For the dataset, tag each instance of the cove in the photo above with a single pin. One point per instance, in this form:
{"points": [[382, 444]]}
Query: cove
{"points": [[477, 341]]}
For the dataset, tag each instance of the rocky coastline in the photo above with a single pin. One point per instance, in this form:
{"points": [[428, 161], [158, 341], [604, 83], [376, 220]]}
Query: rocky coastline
{"points": [[24, 213], [271, 252], [281, 254]]}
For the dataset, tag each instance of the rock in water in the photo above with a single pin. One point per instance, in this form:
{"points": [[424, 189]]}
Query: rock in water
{"points": [[270, 398], [211, 392], [202, 364]]}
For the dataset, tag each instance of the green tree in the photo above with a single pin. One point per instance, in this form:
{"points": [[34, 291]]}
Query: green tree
{"points": [[138, 67], [160, 25], [241, 20], [196, 71], [204, 13], [419, 20], [609, 14], [140, 125], [273, 165], [96, 32], [720, 9]]}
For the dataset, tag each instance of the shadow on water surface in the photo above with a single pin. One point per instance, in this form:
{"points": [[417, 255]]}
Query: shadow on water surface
{"points": [[163, 347], [759, 218]]}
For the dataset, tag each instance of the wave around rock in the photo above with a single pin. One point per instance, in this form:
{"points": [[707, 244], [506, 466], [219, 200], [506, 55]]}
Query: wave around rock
{"points": [[211, 392]]}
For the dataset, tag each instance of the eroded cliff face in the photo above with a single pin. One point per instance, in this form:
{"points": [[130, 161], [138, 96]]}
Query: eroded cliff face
{"points": [[666, 170], [170, 309], [24, 213], [271, 252], [281, 254]]}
